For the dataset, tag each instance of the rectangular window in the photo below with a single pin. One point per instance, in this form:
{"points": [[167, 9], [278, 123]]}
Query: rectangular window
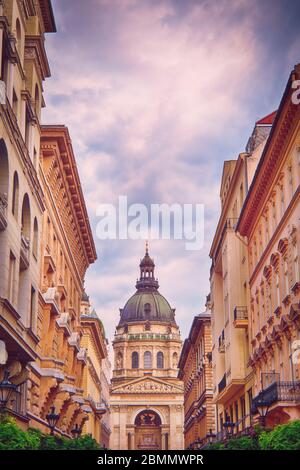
{"points": [[32, 307]]}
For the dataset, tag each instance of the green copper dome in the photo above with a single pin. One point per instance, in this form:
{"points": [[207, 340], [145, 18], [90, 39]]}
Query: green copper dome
{"points": [[147, 303]]}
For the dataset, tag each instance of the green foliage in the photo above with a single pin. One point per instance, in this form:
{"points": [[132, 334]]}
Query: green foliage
{"points": [[85, 442], [14, 438], [283, 437], [242, 443], [215, 446]]}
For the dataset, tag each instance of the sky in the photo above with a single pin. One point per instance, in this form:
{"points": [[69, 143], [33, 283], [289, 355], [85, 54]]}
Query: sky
{"points": [[156, 95]]}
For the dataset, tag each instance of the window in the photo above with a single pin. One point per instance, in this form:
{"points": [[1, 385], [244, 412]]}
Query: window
{"points": [[236, 407], [32, 307], [291, 182], [286, 277], [250, 399], [282, 206], [35, 239], [147, 360], [18, 37], [296, 263], [15, 104], [135, 360], [37, 100], [11, 277], [15, 196], [277, 288], [160, 360]]}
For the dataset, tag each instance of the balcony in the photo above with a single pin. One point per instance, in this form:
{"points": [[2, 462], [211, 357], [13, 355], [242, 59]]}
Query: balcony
{"points": [[3, 211], [222, 384], [280, 393], [240, 315], [24, 253], [222, 342]]}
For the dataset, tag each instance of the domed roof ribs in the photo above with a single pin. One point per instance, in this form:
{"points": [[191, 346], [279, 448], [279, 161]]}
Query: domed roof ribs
{"points": [[147, 304]]}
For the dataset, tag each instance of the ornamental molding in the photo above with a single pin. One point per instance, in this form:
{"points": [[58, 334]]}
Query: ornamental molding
{"points": [[147, 386]]}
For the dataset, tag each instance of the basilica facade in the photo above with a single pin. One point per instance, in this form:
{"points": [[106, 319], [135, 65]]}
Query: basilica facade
{"points": [[146, 395]]}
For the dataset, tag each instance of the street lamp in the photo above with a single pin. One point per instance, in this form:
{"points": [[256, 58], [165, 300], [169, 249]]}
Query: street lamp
{"points": [[52, 419], [198, 443], [262, 407], [210, 436], [76, 431], [6, 389], [229, 426]]}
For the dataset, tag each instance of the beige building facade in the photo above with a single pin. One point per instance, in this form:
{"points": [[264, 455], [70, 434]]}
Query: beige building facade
{"points": [[146, 397], [195, 370], [66, 249], [271, 225], [233, 377], [94, 343]]}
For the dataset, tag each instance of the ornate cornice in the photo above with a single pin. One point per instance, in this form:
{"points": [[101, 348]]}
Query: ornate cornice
{"points": [[286, 122]]}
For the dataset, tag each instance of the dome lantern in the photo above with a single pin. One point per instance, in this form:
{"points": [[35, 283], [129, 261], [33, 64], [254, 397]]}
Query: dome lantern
{"points": [[147, 281]]}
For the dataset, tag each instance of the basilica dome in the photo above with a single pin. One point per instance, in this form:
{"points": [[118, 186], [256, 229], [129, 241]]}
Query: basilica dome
{"points": [[147, 303]]}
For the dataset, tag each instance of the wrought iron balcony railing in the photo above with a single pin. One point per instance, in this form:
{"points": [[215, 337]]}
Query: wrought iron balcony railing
{"points": [[222, 384], [278, 392], [240, 315], [222, 342]]}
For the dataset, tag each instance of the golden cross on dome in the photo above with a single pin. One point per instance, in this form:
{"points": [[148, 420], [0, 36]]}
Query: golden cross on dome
{"points": [[147, 246]]}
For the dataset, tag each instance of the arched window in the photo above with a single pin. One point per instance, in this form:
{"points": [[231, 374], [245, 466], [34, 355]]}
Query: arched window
{"points": [[175, 360], [160, 360], [135, 360], [147, 360], [4, 174], [25, 221], [35, 238], [15, 196], [119, 361]]}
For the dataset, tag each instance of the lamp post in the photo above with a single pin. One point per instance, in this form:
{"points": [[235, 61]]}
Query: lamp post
{"points": [[262, 407], [6, 390], [198, 443], [76, 431], [229, 426], [210, 436], [52, 419]]}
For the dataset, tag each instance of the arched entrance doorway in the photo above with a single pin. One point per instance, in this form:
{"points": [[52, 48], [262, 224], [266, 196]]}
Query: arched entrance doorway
{"points": [[147, 430]]}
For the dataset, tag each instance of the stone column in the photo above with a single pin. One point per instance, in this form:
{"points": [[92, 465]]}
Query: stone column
{"points": [[123, 441]]}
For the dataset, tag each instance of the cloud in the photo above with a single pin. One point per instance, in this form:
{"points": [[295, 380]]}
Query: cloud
{"points": [[156, 95]]}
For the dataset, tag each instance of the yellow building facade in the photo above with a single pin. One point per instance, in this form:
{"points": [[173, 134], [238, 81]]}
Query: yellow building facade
{"points": [[95, 344], [233, 377], [23, 69], [146, 396], [67, 249], [195, 370], [46, 245], [271, 225]]}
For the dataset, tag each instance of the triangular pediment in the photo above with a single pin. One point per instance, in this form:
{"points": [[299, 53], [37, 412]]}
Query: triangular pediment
{"points": [[149, 385]]}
